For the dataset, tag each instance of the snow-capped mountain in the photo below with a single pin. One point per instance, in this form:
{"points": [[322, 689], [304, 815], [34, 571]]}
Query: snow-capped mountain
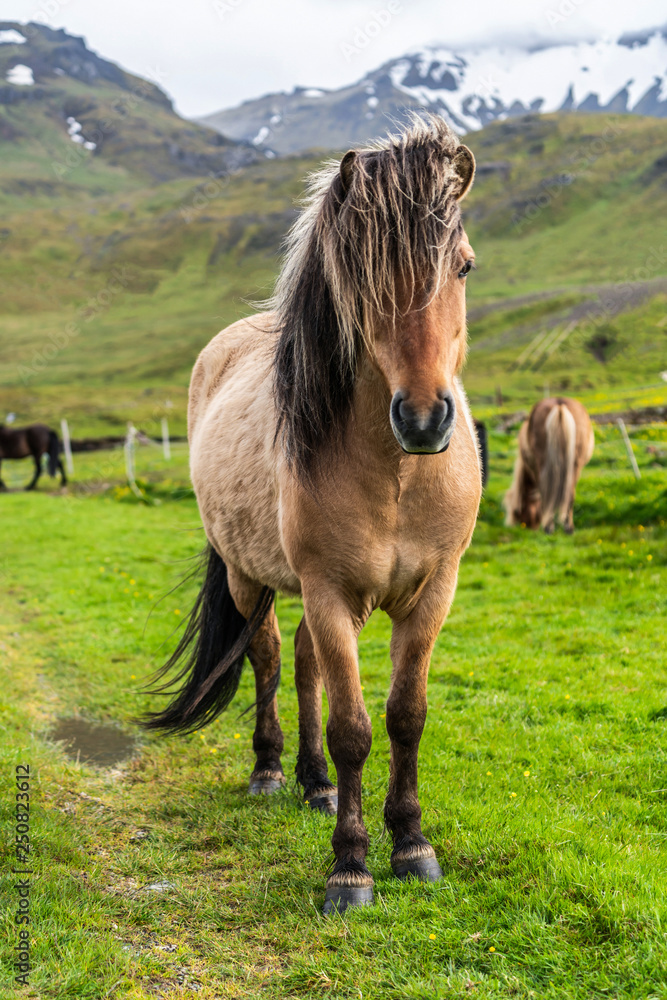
{"points": [[470, 87]]}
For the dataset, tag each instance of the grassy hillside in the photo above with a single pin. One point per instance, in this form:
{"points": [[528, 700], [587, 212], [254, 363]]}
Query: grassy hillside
{"points": [[85, 127], [108, 296]]}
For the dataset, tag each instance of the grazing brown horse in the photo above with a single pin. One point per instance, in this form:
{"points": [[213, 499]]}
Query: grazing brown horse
{"points": [[555, 443], [35, 440], [334, 456]]}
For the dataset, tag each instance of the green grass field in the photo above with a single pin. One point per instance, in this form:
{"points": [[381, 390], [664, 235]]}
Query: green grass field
{"points": [[543, 764]]}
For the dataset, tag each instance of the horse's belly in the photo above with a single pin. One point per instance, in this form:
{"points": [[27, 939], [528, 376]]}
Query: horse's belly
{"points": [[234, 474]]}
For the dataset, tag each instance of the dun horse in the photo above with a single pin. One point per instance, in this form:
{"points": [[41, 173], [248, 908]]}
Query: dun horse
{"points": [[35, 440], [555, 443], [334, 456]]}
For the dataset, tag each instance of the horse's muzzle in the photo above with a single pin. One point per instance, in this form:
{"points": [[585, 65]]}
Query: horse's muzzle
{"points": [[423, 436]]}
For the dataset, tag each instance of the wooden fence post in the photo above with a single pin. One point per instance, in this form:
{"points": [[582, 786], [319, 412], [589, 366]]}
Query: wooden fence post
{"points": [[628, 447], [166, 446], [130, 444], [67, 447]]}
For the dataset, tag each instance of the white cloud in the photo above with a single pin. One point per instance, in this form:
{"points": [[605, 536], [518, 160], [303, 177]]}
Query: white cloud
{"points": [[210, 54]]}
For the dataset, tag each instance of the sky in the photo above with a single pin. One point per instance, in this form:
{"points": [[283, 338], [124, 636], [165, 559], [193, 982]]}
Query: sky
{"points": [[213, 54]]}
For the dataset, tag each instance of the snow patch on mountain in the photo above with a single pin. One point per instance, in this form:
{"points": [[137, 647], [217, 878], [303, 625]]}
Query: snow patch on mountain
{"points": [[261, 136], [12, 37], [74, 130], [20, 76]]}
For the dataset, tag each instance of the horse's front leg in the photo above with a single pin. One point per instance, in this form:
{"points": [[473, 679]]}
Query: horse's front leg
{"points": [[412, 643], [334, 629]]}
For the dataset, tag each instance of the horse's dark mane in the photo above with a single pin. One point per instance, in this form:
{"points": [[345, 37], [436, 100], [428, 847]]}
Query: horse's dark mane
{"points": [[394, 218]]}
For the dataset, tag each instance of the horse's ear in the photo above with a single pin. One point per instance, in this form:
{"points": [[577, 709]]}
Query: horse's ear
{"points": [[347, 170], [464, 165]]}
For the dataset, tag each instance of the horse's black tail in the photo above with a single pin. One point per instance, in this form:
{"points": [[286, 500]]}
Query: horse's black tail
{"points": [[483, 439], [54, 453], [210, 654]]}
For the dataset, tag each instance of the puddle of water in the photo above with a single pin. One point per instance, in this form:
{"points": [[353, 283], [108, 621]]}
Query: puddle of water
{"points": [[93, 743]]}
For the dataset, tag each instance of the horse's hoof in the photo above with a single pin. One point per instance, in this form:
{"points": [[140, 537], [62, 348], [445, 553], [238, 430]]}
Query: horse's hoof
{"points": [[266, 785], [325, 803], [341, 897], [424, 869]]}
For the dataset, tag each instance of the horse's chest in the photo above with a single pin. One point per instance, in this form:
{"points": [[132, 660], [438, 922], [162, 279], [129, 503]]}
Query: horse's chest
{"points": [[391, 549], [382, 535], [423, 532]]}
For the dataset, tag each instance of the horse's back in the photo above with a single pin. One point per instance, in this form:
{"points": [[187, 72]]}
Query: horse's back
{"points": [[233, 456], [536, 427], [227, 358], [585, 434], [20, 442]]}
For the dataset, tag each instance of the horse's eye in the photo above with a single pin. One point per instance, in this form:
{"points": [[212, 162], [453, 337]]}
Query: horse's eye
{"points": [[467, 268]]}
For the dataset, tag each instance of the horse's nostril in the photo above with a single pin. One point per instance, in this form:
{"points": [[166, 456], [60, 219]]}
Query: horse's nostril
{"points": [[448, 410], [401, 411]]}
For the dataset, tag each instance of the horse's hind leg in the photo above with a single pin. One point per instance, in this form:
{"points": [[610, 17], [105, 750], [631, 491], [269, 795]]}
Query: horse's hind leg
{"points": [[567, 510], [61, 469], [267, 741], [311, 767], [3, 485], [412, 642], [567, 516], [38, 471], [264, 655]]}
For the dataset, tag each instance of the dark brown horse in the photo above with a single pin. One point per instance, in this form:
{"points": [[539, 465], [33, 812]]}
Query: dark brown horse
{"points": [[555, 443], [35, 440], [334, 456]]}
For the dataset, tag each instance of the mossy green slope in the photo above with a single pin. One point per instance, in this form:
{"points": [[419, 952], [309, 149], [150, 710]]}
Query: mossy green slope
{"points": [[572, 205]]}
